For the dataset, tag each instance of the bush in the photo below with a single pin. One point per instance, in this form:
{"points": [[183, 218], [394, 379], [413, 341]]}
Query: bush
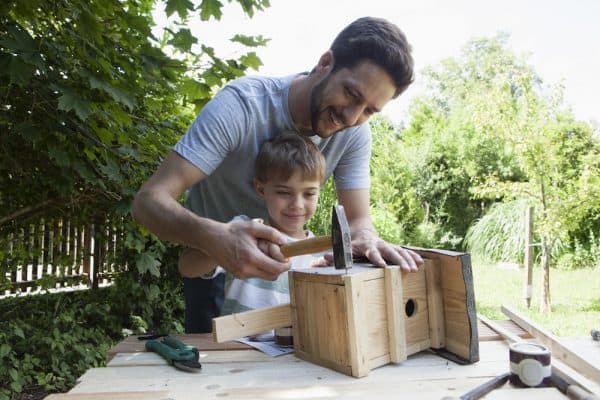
{"points": [[47, 341], [581, 255]]}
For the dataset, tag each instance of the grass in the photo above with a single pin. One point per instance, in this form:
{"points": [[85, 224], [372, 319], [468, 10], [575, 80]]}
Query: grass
{"points": [[574, 295]]}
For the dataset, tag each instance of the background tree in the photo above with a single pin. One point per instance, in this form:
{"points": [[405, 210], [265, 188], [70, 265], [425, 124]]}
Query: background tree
{"points": [[501, 135], [90, 102]]}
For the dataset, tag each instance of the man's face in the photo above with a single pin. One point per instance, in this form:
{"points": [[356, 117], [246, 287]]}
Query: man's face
{"points": [[348, 97]]}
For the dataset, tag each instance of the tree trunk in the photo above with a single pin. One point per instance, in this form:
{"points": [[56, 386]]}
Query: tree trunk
{"points": [[545, 300]]}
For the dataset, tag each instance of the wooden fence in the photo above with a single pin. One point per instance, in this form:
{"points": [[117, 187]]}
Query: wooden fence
{"points": [[60, 254]]}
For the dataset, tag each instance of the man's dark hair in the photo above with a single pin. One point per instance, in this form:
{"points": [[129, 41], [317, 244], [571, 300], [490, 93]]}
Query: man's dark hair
{"points": [[379, 41]]}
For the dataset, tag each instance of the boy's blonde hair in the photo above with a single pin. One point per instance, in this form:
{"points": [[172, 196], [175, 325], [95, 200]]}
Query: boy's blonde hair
{"points": [[281, 156]]}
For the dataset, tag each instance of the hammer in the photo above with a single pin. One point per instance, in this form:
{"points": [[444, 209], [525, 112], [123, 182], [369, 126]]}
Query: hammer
{"points": [[340, 241]]}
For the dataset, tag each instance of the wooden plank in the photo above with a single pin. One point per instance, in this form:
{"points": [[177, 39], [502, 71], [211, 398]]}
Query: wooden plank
{"points": [[212, 356], [334, 276], [356, 326], [415, 310], [487, 334], [459, 302], [235, 326], [158, 395], [359, 389], [435, 303], [372, 314], [322, 329], [395, 314], [287, 371], [459, 307], [548, 393], [201, 341], [556, 346]]}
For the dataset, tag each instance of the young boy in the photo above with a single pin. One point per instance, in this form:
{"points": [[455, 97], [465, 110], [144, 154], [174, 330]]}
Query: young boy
{"points": [[289, 171]]}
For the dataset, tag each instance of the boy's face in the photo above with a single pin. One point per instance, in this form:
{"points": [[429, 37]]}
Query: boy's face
{"points": [[290, 203]]}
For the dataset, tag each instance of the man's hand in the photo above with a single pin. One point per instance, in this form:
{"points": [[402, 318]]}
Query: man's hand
{"points": [[366, 243], [378, 252], [250, 249]]}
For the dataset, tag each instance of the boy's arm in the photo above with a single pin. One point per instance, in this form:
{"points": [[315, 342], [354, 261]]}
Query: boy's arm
{"points": [[365, 240], [195, 263]]}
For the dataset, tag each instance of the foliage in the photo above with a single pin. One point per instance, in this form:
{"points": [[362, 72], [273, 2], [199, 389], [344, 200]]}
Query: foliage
{"points": [[499, 235], [581, 255], [320, 223], [90, 103], [449, 150], [395, 208], [49, 340], [489, 130]]}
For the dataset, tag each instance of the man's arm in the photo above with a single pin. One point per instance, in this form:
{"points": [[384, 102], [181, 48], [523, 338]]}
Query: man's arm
{"points": [[366, 241], [234, 246]]}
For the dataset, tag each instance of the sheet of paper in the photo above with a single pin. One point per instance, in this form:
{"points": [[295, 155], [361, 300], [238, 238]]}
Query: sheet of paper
{"points": [[267, 345]]}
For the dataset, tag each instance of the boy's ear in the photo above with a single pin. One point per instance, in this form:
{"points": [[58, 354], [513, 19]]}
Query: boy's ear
{"points": [[259, 187]]}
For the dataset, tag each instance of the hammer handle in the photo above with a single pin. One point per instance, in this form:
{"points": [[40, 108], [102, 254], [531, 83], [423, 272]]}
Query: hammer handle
{"points": [[306, 246]]}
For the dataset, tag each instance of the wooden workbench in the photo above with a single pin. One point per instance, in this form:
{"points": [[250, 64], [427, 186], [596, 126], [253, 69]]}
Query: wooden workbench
{"points": [[234, 371]]}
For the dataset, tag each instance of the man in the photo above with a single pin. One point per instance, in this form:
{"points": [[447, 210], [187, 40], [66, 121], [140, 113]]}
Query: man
{"points": [[368, 64]]}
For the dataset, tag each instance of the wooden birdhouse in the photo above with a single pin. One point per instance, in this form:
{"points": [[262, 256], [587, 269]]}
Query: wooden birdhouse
{"points": [[358, 319]]}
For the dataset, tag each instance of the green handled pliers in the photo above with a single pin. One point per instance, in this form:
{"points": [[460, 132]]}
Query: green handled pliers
{"points": [[178, 354]]}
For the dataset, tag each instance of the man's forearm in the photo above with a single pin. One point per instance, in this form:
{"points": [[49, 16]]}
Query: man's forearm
{"points": [[172, 222]]}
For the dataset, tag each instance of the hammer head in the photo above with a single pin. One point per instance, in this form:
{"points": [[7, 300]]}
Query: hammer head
{"points": [[340, 238]]}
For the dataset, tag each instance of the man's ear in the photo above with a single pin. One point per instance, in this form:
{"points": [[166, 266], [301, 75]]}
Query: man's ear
{"points": [[259, 187], [325, 63]]}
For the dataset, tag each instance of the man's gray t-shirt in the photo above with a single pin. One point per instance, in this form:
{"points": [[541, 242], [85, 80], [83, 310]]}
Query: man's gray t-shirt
{"points": [[225, 138]]}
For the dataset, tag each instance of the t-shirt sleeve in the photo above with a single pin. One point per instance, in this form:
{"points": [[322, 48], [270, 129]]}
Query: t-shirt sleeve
{"points": [[215, 132], [352, 170]]}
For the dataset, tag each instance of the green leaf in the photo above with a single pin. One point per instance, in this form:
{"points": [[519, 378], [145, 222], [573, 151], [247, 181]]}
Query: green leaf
{"points": [[132, 241], [111, 170], [179, 6], [120, 96], [105, 135], [14, 374], [4, 350], [251, 60], [29, 132], [210, 8], [183, 40], [20, 72], [121, 116], [195, 90], [19, 332], [69, 101], [18, 40], [59, 155], [250, 41], [147, 262], [16, 386]]}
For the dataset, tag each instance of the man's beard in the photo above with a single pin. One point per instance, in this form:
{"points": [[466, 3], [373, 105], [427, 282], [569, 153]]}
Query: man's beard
{"points": [[316, 101]]}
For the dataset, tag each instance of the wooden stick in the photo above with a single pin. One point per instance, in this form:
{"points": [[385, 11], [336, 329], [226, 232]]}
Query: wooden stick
{"points": [[558, 349], [235, 326], [307, 246]]}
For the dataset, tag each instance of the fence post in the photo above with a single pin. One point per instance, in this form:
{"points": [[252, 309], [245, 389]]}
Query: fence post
{"points": [[528, 255]]}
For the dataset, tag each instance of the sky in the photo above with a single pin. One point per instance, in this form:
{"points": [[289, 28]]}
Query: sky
{"points": [[559, 37]]}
